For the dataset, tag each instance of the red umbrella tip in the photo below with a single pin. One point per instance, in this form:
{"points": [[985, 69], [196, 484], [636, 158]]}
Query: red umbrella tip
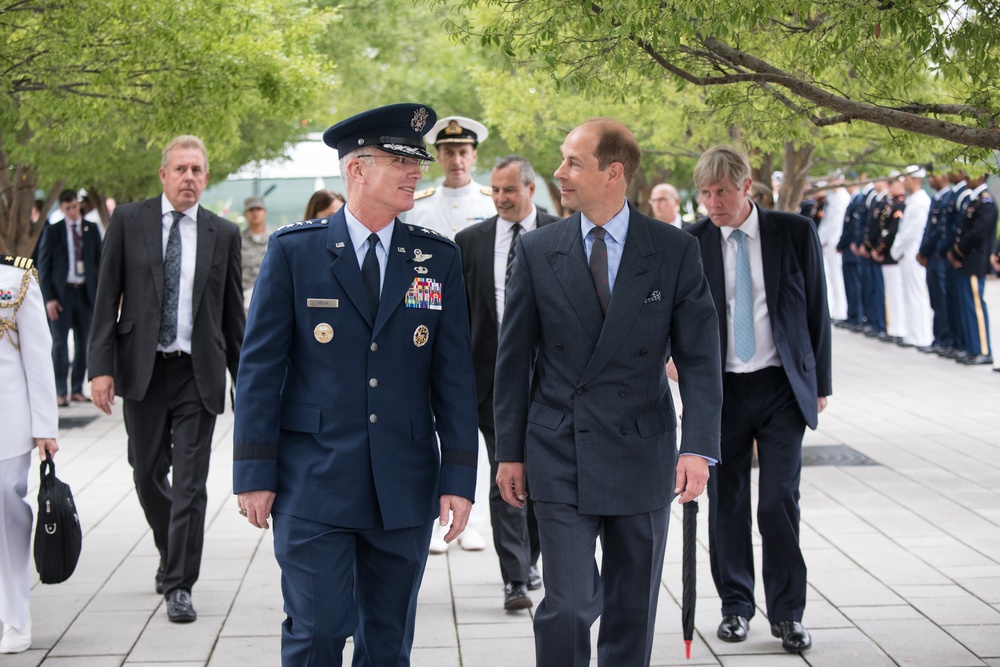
{"points": [[687, 648]]}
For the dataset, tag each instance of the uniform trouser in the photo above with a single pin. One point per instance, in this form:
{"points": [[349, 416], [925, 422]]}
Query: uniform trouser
{"points": [[338, 582], [76, 315], [958, 290], [918, 306], [171, 427], [937, 292], [15, 541], [515, 530], [854, 289], [623, 592], [835, 291], [874, 293], [975, 318], [895, 305], [758, 406]]}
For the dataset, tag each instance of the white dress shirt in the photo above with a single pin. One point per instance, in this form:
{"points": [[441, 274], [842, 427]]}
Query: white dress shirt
{"points": [[189, 252], [766, 353], [73, 277], [501, 247]]}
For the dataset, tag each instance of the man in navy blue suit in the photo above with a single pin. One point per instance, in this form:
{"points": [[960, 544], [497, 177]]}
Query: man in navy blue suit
{"points": [[765, 270], [68, 260], [356, 351]]}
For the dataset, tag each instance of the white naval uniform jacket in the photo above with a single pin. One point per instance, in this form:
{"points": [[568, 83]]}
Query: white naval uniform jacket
{"points": [[27, 382], [450, 210]]}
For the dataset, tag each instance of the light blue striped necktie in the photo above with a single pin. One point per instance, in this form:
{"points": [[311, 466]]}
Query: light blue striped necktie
{"points": [[743, 337]]}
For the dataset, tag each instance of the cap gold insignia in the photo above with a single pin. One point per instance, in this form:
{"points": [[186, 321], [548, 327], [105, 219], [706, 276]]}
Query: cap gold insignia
{"points": [[420, 336], [453, 128], [419, 256], [323, 332], [419, 119]]}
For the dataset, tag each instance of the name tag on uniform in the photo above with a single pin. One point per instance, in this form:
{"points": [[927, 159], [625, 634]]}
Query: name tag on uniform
{"points": [[322, 303]]}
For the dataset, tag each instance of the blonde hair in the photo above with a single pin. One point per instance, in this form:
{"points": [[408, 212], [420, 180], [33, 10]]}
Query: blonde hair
{"points": [[184, 141], [720, 163]]}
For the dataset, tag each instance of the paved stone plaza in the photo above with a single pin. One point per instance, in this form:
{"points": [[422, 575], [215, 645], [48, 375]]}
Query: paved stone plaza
{"points": [[903, 553]]}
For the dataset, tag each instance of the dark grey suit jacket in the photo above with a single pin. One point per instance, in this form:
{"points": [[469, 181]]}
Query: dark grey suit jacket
{"points": [[124, 344], [477, 243], [795, 289], [595, 427]]}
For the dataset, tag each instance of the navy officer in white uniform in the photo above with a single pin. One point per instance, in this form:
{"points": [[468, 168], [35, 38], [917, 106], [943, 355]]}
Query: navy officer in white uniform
{"points": [[356, 351], [459, 201]]}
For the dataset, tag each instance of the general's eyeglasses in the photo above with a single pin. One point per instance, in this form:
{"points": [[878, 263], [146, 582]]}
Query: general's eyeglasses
{"points": [[404, 162]]}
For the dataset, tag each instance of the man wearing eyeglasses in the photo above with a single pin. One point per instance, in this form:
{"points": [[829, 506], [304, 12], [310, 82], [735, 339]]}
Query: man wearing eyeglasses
{"points": [[356, 352], [666, 203], [459, 201]]}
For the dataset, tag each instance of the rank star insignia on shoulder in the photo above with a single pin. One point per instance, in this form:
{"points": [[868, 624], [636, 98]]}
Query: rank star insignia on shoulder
{"points": [[301, 224]]}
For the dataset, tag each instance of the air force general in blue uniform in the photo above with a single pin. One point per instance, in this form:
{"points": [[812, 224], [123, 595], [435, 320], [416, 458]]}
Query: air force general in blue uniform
{"points": [[352, 359]]}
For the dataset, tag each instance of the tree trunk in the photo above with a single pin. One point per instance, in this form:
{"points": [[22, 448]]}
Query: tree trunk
{"points": [[798, 162], [763, 178], [18, 236]]}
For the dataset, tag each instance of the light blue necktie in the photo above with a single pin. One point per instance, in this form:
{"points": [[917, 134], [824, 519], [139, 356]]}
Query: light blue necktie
{"points": [[743, 338]]}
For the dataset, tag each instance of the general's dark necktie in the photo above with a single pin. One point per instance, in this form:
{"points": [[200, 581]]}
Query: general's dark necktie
{"points": [[171, 283], [370, 274], [599, 269], [510, 253]]}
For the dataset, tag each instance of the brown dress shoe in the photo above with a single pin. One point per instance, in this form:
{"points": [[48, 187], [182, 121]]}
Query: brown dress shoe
{"points": [[79, 397]]}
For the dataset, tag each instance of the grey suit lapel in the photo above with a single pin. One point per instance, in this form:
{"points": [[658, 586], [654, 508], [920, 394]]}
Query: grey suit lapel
{"points": [[569, 264], [771, 248], [207, 235], [632, 284], [152, 232], [486, 241]]}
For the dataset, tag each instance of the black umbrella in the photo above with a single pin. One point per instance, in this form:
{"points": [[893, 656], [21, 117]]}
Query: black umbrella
{"points": [[689, 572]]}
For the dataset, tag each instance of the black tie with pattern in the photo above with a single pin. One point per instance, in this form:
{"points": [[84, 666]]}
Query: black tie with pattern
{"points": [[510, 253], [599, 269], [370, 274], [171, 283]]}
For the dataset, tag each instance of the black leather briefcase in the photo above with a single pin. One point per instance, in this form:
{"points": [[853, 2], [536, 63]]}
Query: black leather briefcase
{"points": [[58, 538]]}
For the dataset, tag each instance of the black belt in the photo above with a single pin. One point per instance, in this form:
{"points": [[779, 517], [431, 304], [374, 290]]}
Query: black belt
{"points": [[76, 285], [176, 354]]}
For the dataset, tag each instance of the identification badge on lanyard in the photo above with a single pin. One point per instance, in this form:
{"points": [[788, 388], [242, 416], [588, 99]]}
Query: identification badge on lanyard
{"points": [[79, 267]]}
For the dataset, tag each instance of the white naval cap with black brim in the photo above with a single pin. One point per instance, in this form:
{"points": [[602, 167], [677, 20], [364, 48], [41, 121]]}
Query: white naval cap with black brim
{"points": [[397, 129], [457, 130]]}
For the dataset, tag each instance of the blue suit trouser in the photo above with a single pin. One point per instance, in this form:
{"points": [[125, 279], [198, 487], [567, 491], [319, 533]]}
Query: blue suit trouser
{"points": [[853, 287], [76, 315], [975, 318], [958, 300], [937, 290], [339, 582], [874, 293], [623, 592], [758, 406]]}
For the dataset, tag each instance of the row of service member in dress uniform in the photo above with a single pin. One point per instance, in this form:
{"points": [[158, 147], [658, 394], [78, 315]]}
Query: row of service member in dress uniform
{"points": [[908, 268]]}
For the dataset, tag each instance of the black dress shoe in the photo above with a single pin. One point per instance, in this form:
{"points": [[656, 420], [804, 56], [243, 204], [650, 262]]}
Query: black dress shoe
{"points": [[733, 628], [794, 637], [161, 574], [179, 607], [926, 349], [515, 596], [534, 579], [978, 360]]}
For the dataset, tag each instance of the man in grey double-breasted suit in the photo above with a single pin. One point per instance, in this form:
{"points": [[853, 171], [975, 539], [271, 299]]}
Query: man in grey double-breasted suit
{"points": [[601, 300]]}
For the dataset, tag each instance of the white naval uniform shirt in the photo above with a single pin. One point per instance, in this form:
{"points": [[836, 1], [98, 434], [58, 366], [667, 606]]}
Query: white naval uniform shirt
{"points": [[450, 210]]}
